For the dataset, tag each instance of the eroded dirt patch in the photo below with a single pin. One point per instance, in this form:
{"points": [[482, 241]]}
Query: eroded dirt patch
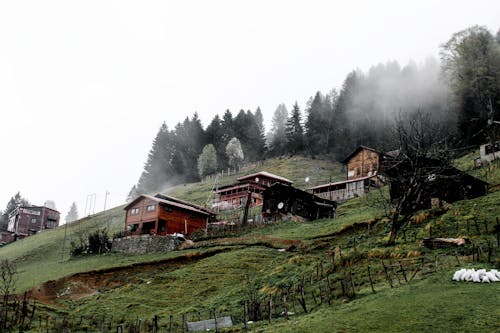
{"points": [[85, 284]]}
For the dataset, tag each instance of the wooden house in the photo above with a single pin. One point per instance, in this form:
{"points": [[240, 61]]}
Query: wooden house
{"points": [[282, 199], [28, 220], [163, 215], [362, 175], [235, 195], [443, 183]]}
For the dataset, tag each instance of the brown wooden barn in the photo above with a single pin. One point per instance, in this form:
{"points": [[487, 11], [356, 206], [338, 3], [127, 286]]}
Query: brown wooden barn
{"points": [[362, 175], [235, 195], [443, 183], [282, 199], [28, 220], [164, 215]]}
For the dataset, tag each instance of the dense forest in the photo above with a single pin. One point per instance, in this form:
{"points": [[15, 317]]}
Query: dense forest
{"points": [[461, 93]]}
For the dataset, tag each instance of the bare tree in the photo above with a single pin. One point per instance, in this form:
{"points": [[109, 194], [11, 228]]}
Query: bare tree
{"points": [[7, 285], [412, 169]]}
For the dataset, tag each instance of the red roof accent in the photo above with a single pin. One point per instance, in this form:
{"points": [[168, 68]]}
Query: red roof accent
{"points": [[266, 174]]}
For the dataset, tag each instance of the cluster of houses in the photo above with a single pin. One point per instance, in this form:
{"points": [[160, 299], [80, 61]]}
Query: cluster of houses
{"points": [[162, 215], [165, 215]]}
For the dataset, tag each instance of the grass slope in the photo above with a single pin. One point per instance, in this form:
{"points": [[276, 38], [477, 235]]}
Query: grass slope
{"points": [[253, 262]]}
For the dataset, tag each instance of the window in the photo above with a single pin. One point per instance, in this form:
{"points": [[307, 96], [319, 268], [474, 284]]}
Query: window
{"points": [[33, 221], [168, 209], [134, 211], [151, 208]]}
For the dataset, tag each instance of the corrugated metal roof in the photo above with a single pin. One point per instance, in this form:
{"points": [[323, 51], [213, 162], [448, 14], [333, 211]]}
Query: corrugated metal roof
{"points": [[341, 182], [266, 174]]}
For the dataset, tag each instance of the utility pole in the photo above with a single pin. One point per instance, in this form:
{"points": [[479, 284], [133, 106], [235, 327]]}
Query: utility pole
{"points": [[105, 199], [64, 240], [93, 208]]}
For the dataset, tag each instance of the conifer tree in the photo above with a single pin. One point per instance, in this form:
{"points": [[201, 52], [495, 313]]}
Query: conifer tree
{"points": [[276, 138], [72, 213], [295, 132]]}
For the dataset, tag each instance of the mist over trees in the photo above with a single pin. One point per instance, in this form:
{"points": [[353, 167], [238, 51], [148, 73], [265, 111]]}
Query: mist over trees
{"points": [[461, 94]]}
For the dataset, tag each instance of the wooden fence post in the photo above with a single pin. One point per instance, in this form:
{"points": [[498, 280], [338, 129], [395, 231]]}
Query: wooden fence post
{"points": [[403, 271], [387, 274], [215, 321], [498, 233], [245, 315], [270, 309], [370, 278]]}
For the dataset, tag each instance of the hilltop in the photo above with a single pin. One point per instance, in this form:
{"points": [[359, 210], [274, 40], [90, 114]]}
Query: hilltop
{"points": [[321, 266]]}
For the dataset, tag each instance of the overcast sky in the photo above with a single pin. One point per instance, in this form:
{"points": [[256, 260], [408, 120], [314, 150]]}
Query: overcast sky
{"points": [[85, 85]]}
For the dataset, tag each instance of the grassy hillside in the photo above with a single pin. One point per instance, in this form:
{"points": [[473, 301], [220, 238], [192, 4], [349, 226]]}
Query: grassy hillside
{"points": [[274, 260]]}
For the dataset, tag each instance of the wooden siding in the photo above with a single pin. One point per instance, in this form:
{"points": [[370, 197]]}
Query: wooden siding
{"points": [[343, 192], [364, 163], [143, 214], [164, 219]]}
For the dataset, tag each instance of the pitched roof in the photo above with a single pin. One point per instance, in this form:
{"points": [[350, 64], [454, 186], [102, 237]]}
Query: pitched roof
{"points": [[238, 186], [341, 182], [185, 205], [266, 174], [345, 160]]}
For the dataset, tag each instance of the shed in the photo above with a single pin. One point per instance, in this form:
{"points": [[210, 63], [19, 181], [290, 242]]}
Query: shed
{"points": [[286, 199]]}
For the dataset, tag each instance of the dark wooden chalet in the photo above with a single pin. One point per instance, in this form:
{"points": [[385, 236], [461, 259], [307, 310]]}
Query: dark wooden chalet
{"points": [[362, 162], [285, 199], [443, 184], [235, 195], [28, 220], [362, 170], [163, 215]]}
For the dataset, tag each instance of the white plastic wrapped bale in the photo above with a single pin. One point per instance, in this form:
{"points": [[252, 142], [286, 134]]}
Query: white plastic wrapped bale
{"points": [[481, 275]]}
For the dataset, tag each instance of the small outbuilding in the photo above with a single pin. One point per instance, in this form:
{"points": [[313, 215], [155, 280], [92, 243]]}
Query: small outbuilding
{"points": [[163, 215], [285, 199]]}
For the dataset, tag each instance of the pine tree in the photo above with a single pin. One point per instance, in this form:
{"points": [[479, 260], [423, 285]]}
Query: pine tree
{"points": [[158, 169], [471, 61], [72, 213], [295, 132], [276, 138], [215, 135], [16, 201]]}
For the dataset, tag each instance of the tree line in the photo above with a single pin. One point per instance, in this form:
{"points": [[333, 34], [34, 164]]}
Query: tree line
{"points": [[461, 93]]}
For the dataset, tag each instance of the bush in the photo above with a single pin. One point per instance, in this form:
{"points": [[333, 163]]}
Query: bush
{"points": [[97, 242]]}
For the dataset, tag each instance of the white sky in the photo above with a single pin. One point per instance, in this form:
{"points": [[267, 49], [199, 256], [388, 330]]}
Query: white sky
{"points": [[85, 85]]}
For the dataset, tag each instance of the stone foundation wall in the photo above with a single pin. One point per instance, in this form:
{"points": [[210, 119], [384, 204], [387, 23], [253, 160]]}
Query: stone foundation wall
{"points": [[145, 244]]}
